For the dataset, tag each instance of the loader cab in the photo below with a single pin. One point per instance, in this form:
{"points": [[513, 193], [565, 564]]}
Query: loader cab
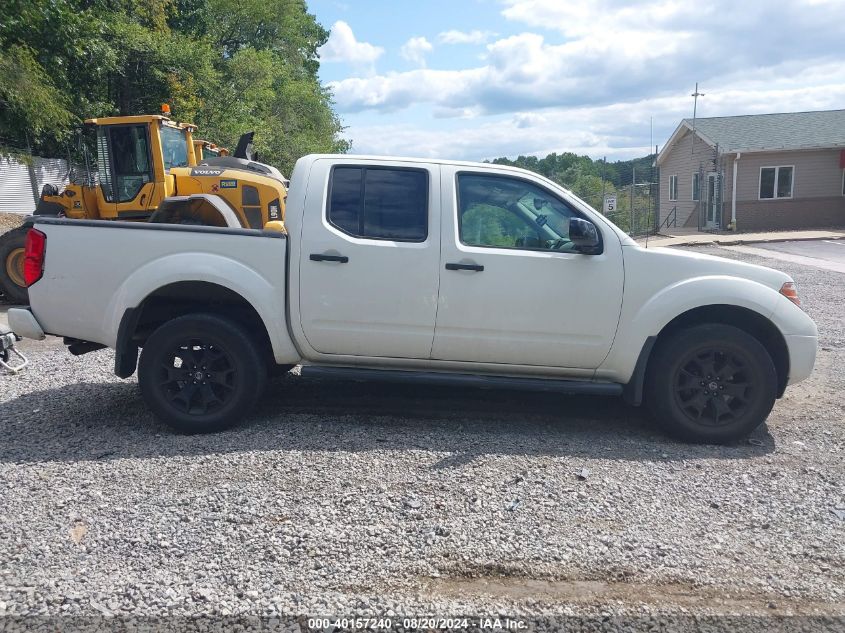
{"points": [[134, 157], [206, 149]]}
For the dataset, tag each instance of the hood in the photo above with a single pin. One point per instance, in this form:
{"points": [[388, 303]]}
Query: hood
{"points": [[688, 264]]}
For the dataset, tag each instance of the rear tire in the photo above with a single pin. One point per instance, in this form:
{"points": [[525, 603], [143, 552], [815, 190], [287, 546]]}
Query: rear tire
{"points": [[201, 373], [710, 383], [11, 266]]}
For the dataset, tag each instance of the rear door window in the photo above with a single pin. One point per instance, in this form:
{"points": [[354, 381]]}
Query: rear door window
{"points": [[379, 203]]}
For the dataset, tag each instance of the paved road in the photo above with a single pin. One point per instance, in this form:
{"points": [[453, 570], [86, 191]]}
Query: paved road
{"points": [[825, 254], [830, 250]]}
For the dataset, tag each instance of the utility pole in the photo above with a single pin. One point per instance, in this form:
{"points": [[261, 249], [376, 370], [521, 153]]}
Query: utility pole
{"points": [[603, 190], [654, 191], [633, 186], [651, 139], [695, 96]]}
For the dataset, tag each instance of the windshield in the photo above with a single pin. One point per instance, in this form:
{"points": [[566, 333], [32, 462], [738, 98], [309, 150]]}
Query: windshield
{"points": [[174, 146]]}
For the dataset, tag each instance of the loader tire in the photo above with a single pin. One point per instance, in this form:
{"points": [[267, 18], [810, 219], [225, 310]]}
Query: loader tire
{"points": [[12, 283]]}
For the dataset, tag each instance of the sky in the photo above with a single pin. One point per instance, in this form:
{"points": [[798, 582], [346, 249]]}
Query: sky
{"points": [[480, 79]]}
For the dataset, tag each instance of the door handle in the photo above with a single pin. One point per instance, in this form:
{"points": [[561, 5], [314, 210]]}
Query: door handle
{"points": [[475, 267], [319, 257]]}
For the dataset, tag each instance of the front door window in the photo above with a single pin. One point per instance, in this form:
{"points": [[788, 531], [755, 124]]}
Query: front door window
{"points": [[504, 212]]}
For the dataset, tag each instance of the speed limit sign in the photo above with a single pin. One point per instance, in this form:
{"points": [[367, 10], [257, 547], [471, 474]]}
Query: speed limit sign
{"points": [[609, 204]]}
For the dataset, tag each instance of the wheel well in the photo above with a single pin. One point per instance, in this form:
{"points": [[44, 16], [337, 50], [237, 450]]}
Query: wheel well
{"points": [[188, 297], [746, 320]]}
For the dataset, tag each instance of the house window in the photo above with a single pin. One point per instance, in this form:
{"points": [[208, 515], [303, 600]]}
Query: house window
{"points": [[696, 185], [673, 187], [776, 182]]}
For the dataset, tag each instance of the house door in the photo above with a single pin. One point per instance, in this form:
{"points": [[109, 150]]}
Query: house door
{"points": [[712, 212]]}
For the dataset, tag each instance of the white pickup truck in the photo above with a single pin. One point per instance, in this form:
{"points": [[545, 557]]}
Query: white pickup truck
{"points": [[420, 270]]}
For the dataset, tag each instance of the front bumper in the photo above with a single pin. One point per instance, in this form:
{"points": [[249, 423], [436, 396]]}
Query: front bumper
{"points": [[23, 323], [802, 356]]}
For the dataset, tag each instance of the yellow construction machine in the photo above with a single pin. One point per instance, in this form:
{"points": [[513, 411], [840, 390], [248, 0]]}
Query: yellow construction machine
{"points": [[147, 169]]}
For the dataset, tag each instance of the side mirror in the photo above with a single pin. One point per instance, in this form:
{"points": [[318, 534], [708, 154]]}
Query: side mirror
{"points": [[585, 236]]}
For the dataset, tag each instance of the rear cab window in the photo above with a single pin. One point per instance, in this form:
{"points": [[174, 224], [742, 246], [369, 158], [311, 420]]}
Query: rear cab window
{"points": [[382, 203]]}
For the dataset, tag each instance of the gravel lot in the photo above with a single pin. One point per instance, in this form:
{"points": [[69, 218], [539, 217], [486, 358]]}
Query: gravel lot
{"points": [[10, 221], [342, 498]]}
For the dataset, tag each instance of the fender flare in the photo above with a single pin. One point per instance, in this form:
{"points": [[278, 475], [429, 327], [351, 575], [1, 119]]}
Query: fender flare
{"points": [[120, 318], [630, 352]]}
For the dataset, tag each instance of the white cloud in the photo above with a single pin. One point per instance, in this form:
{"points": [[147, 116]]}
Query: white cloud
{"points": [[415, 50], [599, 71], [611, 52], [618, 131], [465, 37], [529, 119], [342, 46], [521, 71]]}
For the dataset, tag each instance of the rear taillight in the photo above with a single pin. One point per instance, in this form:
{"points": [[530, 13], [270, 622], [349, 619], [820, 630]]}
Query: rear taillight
{"points": [[33, 263], [789, 291]]}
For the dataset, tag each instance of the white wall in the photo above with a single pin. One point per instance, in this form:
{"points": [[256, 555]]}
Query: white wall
{"points": [[16, 194]]}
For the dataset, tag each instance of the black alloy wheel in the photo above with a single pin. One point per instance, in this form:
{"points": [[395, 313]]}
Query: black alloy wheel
{"points": [[197, 377], [201, 373], [714, 387], [710, 383]]}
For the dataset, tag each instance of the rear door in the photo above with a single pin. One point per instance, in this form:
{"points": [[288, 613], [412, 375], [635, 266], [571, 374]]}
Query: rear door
{"points": [[369, 256]]}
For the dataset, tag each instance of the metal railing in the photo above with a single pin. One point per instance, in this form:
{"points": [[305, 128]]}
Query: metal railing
{"points": [[670, 220]]}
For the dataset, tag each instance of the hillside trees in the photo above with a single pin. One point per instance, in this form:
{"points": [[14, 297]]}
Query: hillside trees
{"points": [[589, 179]]}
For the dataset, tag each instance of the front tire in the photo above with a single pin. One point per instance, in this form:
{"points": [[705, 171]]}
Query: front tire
{"points": [[201, 373], [12, 282], [710, 383]]}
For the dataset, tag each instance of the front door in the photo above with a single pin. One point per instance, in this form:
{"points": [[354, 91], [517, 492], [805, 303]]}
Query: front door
{"points": [[712, 216], [512, 288], [368, 264]]}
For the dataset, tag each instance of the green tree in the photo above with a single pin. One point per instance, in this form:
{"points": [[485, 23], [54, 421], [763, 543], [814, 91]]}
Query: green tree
{"points": [[228, 67], [29, 100]]}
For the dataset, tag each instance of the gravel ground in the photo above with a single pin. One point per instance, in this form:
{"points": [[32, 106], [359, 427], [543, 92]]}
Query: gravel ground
{"points": [[343, 499], [9, 221]]}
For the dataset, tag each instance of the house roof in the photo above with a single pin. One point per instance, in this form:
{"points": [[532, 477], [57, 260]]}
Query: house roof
{"points": [[768, 132]]}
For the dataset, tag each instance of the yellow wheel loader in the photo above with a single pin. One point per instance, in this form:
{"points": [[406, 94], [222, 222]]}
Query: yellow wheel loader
{"points": [[148, 170]]}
